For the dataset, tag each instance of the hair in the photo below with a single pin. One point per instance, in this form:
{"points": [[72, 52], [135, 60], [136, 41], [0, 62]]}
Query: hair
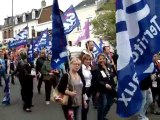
{"points": [[85, 56], [88, 43], [75, 59], [101, 54], [104, 47]]}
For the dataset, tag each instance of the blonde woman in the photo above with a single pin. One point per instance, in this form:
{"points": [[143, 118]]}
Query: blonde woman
{"points": [[72, 84]]}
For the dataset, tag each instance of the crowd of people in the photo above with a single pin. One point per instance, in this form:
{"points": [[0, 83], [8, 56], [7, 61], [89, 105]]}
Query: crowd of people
{"points": [[87, 80]]}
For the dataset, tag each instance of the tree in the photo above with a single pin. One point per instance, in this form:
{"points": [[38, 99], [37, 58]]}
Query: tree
{"points": [[104, 23]]}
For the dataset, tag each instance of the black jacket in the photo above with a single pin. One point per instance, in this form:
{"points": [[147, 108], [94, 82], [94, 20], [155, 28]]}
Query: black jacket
{"points": [[39, 64], [102, 81]]}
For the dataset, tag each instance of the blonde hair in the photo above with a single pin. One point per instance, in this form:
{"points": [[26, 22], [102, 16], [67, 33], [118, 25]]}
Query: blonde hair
{"points": [[75, 59]]}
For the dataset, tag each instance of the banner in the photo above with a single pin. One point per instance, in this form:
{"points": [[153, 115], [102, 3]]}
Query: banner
{"points": [[42, 41], [138, 34], [70, 20], [85, 34], [59, 41], [98, 49], [20, 39], [6, 98], [31, 52]]}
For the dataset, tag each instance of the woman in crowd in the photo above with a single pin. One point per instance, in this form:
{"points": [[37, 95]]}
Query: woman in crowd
{"points": [[106, 87], [72, 84], [50, 77], [85, 71], [26, 80], [11, 66]]}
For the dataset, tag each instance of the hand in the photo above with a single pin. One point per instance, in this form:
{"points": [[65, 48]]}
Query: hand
{"points": [[73, 93], [55, 71], [50, 73], [108, 86], [153, 77]]}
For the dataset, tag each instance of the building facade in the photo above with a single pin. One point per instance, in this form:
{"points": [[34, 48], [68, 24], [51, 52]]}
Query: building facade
{"points": [[38, 20]]}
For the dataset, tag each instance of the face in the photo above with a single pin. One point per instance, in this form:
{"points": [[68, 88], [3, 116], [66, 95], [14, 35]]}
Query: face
{"points": [[87, 61], [49, 57], [42, 54], [75, 66], [107, 50], [90, 46], [102, 60], [155, 57]]}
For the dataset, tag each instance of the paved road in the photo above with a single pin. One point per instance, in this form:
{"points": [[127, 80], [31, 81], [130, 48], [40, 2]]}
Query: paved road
{"points": [[41, 111]]}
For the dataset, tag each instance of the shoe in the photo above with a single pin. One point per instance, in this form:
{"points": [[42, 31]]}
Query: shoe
{"points": [[47, 102], [32, 105], [27, 110], [39, 91], [13, 82]]}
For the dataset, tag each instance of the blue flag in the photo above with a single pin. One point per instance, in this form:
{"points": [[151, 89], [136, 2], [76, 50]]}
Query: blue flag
{"points": [[101, 44], [97, 50], [31, 52], [42, 41], [138, 34], [20, 39], [6, 98], [59, 41], [70, 20]]}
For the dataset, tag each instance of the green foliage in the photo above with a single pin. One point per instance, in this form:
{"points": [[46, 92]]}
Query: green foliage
{"points": [[104, 23]]}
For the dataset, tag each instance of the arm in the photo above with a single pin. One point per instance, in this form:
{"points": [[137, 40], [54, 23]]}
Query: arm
{"points": [[62, 86], [43, 70], [8, 67]]}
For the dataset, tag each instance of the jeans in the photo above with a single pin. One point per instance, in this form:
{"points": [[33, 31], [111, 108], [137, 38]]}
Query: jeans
{"points": [[104, 103], [147, 100]]}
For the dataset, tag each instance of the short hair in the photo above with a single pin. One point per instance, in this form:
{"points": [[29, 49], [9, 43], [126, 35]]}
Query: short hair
{"points": [[104, 47], [85, 56], [88, 42]]}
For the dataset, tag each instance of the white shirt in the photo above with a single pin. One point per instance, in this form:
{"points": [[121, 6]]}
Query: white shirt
{"points": [[87, 75]]}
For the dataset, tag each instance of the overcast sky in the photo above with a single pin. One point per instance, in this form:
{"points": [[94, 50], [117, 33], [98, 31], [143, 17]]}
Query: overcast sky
{"points": [[21, 6]]}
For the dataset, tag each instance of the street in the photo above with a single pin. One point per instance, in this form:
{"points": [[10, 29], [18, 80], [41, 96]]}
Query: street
{"points": [[41, 111]]}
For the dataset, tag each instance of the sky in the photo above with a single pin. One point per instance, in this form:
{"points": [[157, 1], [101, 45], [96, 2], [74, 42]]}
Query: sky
{"points": [[21, 6]]}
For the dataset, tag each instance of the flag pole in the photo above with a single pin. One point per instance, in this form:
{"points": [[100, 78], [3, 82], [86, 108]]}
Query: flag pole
{"points": [[12, 21]]}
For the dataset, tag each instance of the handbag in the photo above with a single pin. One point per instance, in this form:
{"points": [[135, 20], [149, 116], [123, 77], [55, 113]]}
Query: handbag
{"points": [[58, 97]]}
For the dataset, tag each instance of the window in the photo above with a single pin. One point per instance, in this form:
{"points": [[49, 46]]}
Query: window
{"points": [[15, 32], [16, 20], [5, 35], [70, 43], [10, 21], [33, 32], [51, 17], [9, 33], [33, 14], [79, 44], [24, 17]]}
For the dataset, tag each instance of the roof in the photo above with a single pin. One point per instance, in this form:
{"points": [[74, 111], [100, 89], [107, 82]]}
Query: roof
{"points": [[8, 20], [85, 3]]}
